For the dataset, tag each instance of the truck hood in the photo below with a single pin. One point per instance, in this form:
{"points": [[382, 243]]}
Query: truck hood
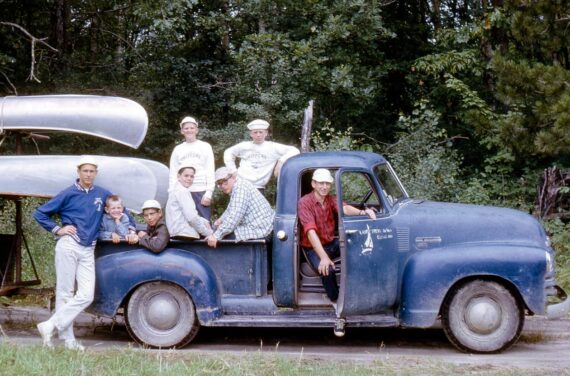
{"points": [[435, 224]]}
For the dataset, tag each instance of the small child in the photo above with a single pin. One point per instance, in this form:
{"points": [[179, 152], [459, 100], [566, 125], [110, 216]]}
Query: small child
{"points": [[156, 236], [115, 224]]}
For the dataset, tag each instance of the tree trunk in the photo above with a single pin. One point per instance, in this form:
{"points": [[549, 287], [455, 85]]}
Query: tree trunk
{"points": [[306, 131]]}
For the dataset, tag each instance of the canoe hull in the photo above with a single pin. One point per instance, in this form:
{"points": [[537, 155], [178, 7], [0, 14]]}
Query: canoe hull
{"points": [[112, 118], [134, 179]]}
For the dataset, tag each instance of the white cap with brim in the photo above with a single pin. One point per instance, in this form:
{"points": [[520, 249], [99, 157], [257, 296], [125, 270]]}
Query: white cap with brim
{"points": [[188, 119], [87, 159], [222, 173], [151, 204], [258, 124], [186, 165], [322, 175]]}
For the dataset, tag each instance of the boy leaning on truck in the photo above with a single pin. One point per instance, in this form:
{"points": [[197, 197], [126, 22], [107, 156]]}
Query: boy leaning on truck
{"points": [[115, 224], [80, 208], [317, 212]]}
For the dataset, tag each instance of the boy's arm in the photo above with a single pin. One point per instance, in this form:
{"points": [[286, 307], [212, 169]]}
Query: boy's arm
{"points": [[103, 233], [158, 242], [44, 213]]}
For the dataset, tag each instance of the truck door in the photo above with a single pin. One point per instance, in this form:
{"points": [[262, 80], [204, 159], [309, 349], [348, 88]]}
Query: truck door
{"points": [[369, 272]]}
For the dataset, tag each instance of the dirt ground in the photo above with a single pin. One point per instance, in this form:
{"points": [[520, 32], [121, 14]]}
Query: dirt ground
{"points": [[544, 345]]}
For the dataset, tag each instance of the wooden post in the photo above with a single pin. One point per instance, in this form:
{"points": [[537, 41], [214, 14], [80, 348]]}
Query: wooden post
{"points": [[306, 131]]}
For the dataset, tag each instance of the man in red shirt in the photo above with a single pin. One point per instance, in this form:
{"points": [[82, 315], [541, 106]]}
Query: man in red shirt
{"points": [[318, 213]]}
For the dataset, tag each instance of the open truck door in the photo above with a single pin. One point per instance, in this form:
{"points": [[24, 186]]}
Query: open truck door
{"points": [[369, 263]]}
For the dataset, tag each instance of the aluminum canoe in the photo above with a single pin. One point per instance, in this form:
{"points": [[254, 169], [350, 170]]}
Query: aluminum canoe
{"points": [[134, 179], [113, 118]]}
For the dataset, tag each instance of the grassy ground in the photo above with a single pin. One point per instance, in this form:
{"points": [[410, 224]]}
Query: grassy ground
{"points": [[35, 360]]}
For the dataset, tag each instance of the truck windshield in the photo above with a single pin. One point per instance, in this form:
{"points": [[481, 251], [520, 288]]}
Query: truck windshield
{"points": [[390, 184]]}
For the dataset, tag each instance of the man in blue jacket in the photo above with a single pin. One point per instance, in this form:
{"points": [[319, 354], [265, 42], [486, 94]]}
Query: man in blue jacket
{"points": [[80, 207]]}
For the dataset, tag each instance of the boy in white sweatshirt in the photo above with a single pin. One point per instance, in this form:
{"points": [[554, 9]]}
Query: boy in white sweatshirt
{"points": [[258, 158], [198, 154]]}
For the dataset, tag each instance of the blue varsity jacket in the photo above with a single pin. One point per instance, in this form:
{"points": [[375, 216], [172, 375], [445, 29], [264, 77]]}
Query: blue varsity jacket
{"points": [[75, 206]]}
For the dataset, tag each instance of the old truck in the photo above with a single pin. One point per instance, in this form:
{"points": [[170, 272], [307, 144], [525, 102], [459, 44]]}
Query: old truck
{"points": [[476, 270]]}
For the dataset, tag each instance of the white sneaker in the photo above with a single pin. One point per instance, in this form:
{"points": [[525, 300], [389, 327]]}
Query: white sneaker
{"points": [[46, 329], [72, 344]]}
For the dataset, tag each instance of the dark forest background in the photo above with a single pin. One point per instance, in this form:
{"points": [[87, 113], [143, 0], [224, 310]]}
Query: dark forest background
{"points": [[469, 100]]}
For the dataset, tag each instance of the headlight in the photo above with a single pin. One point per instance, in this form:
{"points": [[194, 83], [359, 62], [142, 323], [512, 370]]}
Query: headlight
{"points": [[549, 262], [547, 242]]}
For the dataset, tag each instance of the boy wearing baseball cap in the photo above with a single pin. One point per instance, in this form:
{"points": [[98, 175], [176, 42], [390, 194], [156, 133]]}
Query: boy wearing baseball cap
{"points": [[156, 236], [258, 158], [198, 154], [317, 213]]}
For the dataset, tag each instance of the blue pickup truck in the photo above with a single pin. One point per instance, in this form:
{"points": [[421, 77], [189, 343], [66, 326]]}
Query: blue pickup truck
{"points": [[477, 270]]}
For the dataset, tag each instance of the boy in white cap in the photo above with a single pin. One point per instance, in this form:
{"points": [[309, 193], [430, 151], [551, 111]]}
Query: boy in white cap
{"points": [[156, 236], [80, 208], [258, 158], [317, 213], [198, 154]]}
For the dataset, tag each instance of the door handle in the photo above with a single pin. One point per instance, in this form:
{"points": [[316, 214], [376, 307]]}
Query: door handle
{"points": [[350, 232]]}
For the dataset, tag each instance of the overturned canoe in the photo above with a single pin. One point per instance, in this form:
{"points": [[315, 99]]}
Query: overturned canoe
{"points": [[135, 180], [113, 118]]}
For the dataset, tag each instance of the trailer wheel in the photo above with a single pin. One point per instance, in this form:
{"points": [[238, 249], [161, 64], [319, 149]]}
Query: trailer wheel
{"points": [[482, 317], [161, 314]]}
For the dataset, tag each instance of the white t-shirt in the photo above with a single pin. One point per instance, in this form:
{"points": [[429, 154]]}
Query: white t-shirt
{"points": [[257, 161], [199, 155]]}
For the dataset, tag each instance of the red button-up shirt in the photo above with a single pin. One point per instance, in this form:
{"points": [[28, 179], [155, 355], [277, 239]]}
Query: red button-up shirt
{"points": [[321, 218]]}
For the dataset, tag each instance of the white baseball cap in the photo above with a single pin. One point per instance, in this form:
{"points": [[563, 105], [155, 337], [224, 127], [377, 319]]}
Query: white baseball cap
{"points": [[87, 159], [322, 175], [258, 124], [151, 204], [188, 119], [222, 173]]}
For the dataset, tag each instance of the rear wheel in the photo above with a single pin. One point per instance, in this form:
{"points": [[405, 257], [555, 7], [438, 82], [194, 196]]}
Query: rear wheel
{"points": [[161, 314], [482, 317]]}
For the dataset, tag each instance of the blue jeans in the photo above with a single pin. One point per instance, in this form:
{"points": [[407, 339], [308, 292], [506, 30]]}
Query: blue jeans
{"points": [[203, 211], [329, 281]]}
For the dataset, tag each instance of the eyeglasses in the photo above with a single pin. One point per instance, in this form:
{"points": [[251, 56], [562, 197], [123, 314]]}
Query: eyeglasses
{"points": [[221, 182]]}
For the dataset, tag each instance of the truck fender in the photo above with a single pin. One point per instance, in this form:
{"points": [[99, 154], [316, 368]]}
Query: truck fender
{"points": [[119, 274], [430, 275]]}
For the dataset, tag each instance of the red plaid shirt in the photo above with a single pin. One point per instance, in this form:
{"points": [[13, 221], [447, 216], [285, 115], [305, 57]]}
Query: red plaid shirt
{"points": [[321, 218]]}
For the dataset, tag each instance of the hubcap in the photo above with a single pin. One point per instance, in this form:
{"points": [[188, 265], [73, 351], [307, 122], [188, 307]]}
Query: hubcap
{"points": [[483, 315], [162, 311]]}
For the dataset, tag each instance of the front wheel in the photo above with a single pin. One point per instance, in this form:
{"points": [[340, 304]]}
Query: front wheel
{"points": [[161, 314], [482, 317]]}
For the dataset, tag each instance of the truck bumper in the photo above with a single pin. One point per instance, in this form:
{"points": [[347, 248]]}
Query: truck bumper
{"points": [[558, 310]]}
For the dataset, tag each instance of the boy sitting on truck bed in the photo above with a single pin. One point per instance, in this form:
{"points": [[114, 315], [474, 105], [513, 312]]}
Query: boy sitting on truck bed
{"points": [[156, 236], [116, 225]]}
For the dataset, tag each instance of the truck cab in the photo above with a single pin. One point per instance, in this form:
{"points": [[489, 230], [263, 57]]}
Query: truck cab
{"points": [[476, 269]]}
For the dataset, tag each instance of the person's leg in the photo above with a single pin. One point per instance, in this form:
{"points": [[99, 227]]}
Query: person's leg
{"points": [[84, 276], [65, 266], [329, 281], [203, 211]]}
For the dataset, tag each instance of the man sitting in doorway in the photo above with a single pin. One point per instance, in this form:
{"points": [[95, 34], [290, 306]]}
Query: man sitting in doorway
{"points": [[318, 211]]}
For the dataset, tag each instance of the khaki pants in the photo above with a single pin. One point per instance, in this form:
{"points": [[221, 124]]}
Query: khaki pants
{"points": [[74, 267]]}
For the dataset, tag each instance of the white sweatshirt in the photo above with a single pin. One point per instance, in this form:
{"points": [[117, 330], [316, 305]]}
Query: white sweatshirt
{"points": [[200, 156], [257, 161]]}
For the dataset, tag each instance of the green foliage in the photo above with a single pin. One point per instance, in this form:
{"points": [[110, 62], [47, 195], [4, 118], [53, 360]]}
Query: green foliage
{"points": [[559, 233], [328, 138], [40, 242], [422, 156]]}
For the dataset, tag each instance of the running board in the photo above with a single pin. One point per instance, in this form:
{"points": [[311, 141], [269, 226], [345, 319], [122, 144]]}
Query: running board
{"points": [[304, 321]]}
